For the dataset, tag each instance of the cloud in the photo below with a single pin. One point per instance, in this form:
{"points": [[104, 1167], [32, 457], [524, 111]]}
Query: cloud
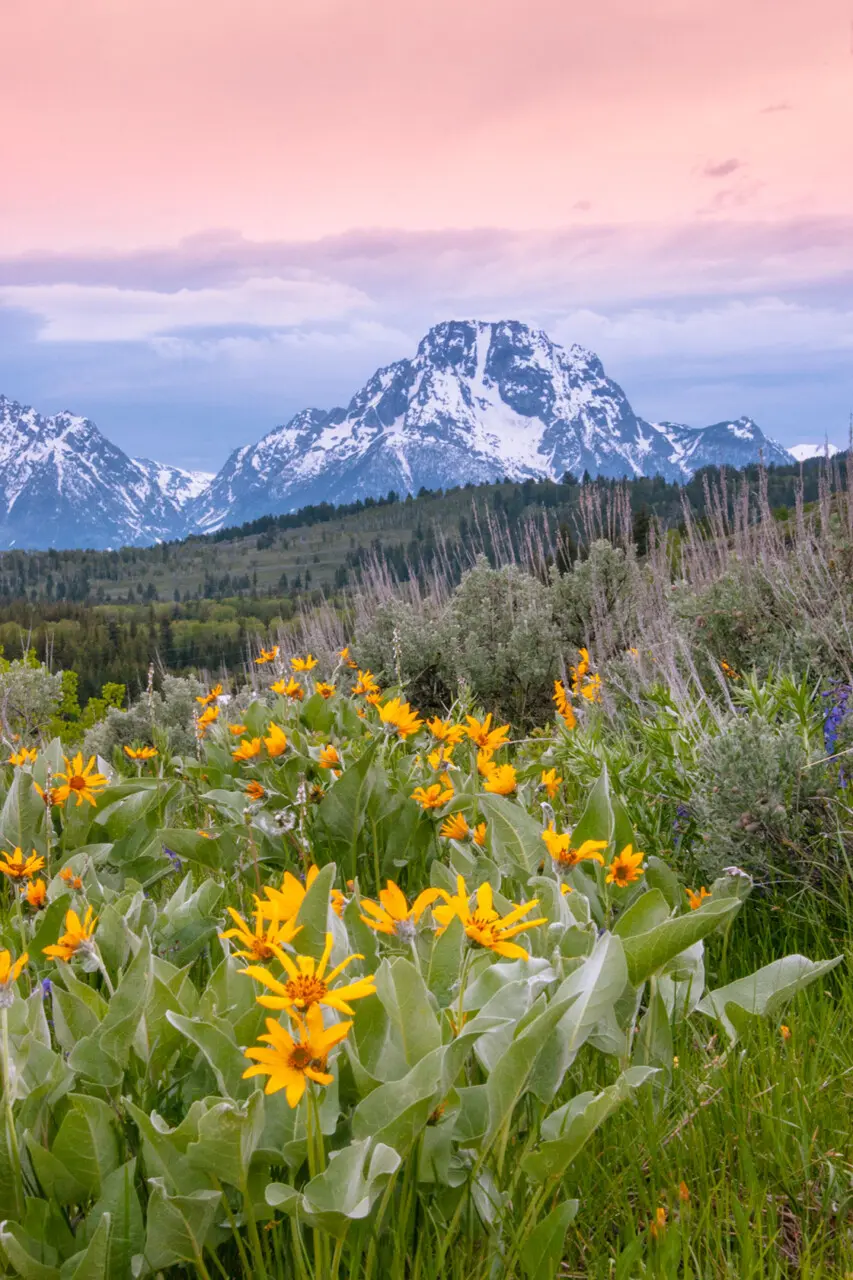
{"points": [[109, 313], [723, 169]]}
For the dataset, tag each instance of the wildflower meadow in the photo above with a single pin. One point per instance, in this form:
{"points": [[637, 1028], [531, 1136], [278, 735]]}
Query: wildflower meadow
{"points": [[347, 990]]}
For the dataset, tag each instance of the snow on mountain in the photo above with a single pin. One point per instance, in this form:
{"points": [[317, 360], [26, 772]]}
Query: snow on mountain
{"points": [[63, 484], [174, 483], [802, 452], [477, 402]]}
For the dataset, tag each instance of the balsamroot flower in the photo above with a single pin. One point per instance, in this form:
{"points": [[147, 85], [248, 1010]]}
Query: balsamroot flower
{"points": [[479, 836], [442, 758], [485, 925], [434, 796], [284, 903], [564, 707], [366, 683], [276, 742], [248, 749], [501, 781], [206, 719], [481, 733], [398, 715], [260, 944], [17, 867], [77, 936], [289, 689], [304, 664], [26, 755], [237, 730], [564, 856], [329, 758], [455, 827], [68, 877], [550, 782], [344, 657], [450, 734], [10, 972], [208, 698], [255, 791], [697, 897], [324, 689], [625, 867], [288, 1062], [36, 894], [140, 753], [79, 781], [308, 983], [393, 915], [266, 655]]}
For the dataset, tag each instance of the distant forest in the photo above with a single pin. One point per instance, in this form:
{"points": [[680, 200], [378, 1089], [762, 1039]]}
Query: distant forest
{"points": [[203, 602]]}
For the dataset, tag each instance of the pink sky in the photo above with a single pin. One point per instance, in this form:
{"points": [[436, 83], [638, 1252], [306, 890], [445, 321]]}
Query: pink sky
{"points": [[137, 122], [214, 212]]}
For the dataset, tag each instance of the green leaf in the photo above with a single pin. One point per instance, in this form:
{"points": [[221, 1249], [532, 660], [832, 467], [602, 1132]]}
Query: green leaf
{"points": [[313, 914], [93, 1263], [567, 1130], [516, 838], [397, 1112], [349, 1186], [32, 1259], [647, 953], [596, 821], [340, 814], [511, 1074], [88, 1141], [228, 1136], [406, 1000], [221, 1052], [50, 925], [662, 877], [120, 1201], [56, 1180], [23, 814], [765, 991], [543, 1248], [644, 913], [177, 1225], [445, 961]]}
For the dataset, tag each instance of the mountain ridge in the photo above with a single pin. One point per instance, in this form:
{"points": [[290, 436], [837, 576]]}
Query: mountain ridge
{"points": [[479, 400]]}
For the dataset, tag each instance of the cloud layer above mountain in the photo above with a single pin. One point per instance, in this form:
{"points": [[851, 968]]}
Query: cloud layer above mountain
{"points": [[667, 183]]}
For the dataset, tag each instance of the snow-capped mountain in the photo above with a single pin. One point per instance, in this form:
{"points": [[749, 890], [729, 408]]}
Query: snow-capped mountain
{"points": [[802, 452], [478, 401], [63, 484]]}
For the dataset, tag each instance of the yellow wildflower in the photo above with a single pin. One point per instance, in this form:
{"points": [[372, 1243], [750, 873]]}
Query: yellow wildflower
{"points": [[344, 657], [36, 894], [657, 1227], [289, 689], [276, 741], [324, 689], [562, 853], [785, 1032], [267, 655], [564, 707], [308, 982], [625, 867], [248, 749], [441, 758], [329, 758], [206, 719], [550, 782], [255, 791], [444, 731], [485, 925], [260, 944], [479, 836], [398, 715], [140, 753], [17, 867], [481, 733], [10, 972], [304, 664], [433, 797], [502, 781], [78, 934], [208, 698], [697, 897], [288, 1062], [455, 827], [393, 915], [236, 730], [366, 683], [26, 755], [79, 781]]}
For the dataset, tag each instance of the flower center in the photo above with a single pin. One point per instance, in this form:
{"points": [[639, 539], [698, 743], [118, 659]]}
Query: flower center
{"points": [[261, 949], [305, 990], [77, 783], [301, 1056]]}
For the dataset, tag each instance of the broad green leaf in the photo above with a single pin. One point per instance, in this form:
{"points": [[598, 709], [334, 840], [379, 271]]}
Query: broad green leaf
{"points": [[566, 1130], [645, 912], [543, 1248], [56, 1180], [228, 1136], [221, 1052], [127, 1231], [653, 1043], [88, 1141], [32, 1259], [662, 877], [340, 814], [397, 1112], [313, 914], [647, 953], [404, 995], [765, 991], [349, 1186], [445, 961], [177, 1226], [164, 1149], [51, 924], [511, 1075], [597, 821], [93, 1262], [516, 838]]}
